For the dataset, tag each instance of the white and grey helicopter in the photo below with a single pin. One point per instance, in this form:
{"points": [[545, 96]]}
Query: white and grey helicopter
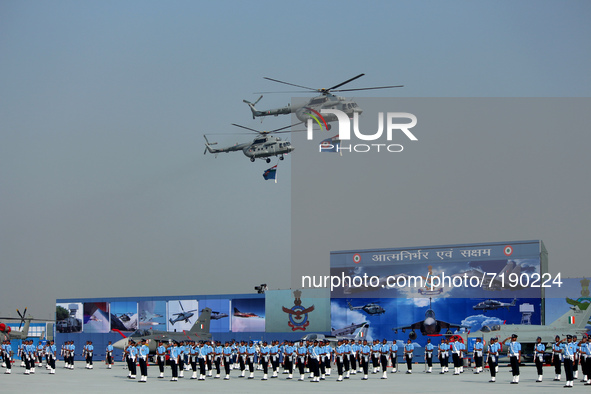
{"points": [[264, 146], [326, 100]]}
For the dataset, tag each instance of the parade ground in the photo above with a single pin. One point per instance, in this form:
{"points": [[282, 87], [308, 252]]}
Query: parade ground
{"points": [[102, 380]]}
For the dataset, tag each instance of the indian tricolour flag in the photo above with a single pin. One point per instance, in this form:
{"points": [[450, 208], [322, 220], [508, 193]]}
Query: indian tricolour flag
{"points": [[571, 320]]}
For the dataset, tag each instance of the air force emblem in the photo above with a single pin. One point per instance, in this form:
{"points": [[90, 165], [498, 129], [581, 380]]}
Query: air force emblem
{"points": [[298, 315]]}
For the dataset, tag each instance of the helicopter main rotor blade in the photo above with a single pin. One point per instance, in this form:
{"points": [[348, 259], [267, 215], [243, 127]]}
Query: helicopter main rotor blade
{"points": [[291, 84], [378, 87], [244, 127], [283, 91], [347, 81]]}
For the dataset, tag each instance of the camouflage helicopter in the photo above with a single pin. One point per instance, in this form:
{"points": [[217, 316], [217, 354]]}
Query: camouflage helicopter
{"points": [[326, 100], [264, 146]]}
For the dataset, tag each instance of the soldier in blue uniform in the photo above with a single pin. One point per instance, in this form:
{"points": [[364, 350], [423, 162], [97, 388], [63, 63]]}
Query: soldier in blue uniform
{"points": [[133, 352], [583, 356], [365, 354], [384, 352], [394, 355], [327, 356], [203, 353], [493, 356], [218, 350], [250, 353], [478, 352], [288, 354], [354, 355], [52, 356], [274, 354], [227, 354], [143, 353], [569, 357], [539, 351], [375, 355], [161, 358], [301, 351], [347, 358], [557, 353], [339, 356], [443, 355], [264, 359], [7, 356], [314, 361], [456, 354], [109, 355], [514, 353], [174, 354], [89, 353], [242, 358], [408, 353], [576, 360], [193, 352], [321, 352], [429, 355]]}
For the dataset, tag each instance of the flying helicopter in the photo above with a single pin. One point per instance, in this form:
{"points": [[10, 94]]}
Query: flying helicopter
{"points": [[264, 145], [325, 100]]}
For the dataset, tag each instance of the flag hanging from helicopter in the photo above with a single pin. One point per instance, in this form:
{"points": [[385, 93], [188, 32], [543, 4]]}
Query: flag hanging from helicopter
{"points": [[271, 173], [332, 144]]}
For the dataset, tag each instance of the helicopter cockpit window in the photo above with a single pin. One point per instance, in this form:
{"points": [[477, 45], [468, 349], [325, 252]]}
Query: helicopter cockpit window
{"points": [[485, 329]]}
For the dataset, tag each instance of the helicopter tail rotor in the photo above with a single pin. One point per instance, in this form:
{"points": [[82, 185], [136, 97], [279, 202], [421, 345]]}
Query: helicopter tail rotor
{"points": [[208, 145], [254, 111]]}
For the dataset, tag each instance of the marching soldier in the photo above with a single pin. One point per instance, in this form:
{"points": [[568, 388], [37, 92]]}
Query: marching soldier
{"points": [[583, 345], [442, 355], [408, 351], [288, 354], [109, 354], [375, 355], [365, 356], [301, 360], [339, 356], [39, 354], [428, 355], [203, 352], [456, 354], [143, 352], [89, 351], [576, 355], [514, 353], [161, 357], [250, 353], [264, 359], [7, 356], [227, 351], [218, 351], [384, 352], [321, 352], [274, 354], [193, 356], [569, 357], [557, 353], [539, 350], [174, 354], [478, 348], [242, 358], [209, 358], [51, 356], [347, 358], [394, 355], [313, 360], [327, 356], [132, 352], [493, 354], [182, 353]]}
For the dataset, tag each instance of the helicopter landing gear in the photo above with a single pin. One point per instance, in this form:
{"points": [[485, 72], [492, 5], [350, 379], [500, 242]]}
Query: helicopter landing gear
{"points": [[252, 159], [281, 157], [268, 160]]}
